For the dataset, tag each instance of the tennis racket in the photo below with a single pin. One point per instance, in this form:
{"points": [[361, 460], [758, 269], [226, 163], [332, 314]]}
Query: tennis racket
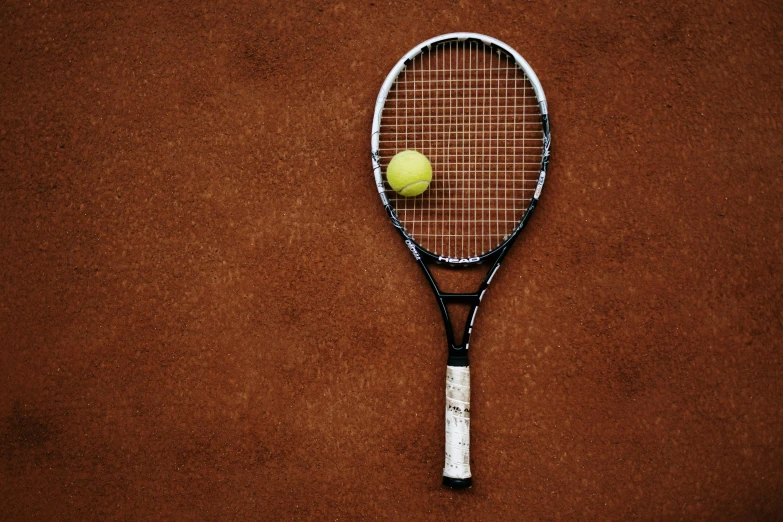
{"points": [[476, 109]]}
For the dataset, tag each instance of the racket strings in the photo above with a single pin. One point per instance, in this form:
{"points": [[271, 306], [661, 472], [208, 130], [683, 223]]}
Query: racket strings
{"points": [[473, 112]]}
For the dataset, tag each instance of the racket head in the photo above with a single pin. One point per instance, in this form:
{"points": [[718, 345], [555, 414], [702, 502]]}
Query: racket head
{"points": [[476, 109]]}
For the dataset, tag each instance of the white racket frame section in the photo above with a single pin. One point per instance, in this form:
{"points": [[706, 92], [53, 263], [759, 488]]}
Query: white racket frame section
{"points": [[400, 66]]}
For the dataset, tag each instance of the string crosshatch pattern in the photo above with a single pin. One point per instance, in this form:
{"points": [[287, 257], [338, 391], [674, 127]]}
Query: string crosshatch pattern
{"points": [[473, 112], [476, 109]]}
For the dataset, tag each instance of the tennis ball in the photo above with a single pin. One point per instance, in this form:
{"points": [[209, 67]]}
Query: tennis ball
{"points": [[409, 173]]}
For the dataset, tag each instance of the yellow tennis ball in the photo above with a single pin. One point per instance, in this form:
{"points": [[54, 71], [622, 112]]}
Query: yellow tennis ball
{"points": [[409, 173]]}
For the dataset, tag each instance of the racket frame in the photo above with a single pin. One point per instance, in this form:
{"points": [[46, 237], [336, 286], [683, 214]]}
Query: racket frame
{"points": [[458, 351]]}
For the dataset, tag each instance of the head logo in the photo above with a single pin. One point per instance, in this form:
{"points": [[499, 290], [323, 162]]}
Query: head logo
{"points": [[454, 260]]}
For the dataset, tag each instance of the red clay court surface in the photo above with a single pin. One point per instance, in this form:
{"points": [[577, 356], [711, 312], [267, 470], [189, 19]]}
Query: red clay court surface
{"points": [[205, 313]]}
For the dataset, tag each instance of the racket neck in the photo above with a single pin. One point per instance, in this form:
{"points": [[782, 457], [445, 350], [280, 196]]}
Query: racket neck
{"points": [[458, 358]]}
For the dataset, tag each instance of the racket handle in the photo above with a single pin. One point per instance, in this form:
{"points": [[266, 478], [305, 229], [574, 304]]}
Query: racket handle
{"points": [[456, 472]]}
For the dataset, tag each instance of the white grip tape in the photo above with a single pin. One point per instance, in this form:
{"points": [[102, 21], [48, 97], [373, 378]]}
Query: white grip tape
{"points": [[457, 422]]}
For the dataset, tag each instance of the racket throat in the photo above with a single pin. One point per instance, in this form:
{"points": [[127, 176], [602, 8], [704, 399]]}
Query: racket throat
{"points": [[471, 299], [458, 309]]}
